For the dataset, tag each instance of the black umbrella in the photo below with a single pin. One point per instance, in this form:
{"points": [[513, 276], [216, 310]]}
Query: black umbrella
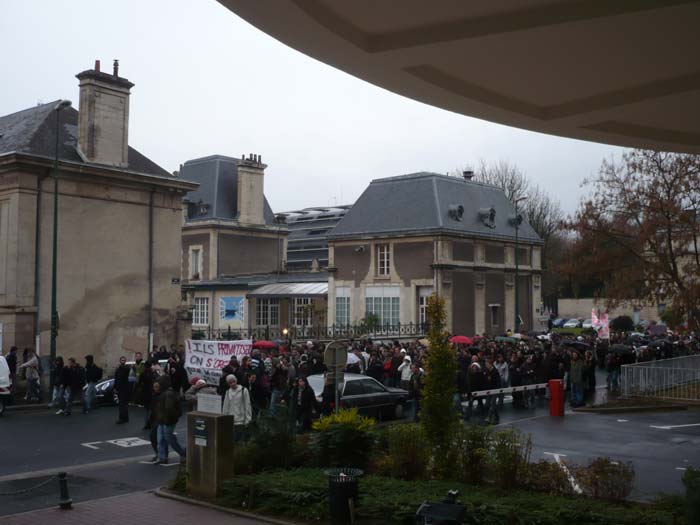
{"points": [[578, 345], [622, 349], [659, 342]]}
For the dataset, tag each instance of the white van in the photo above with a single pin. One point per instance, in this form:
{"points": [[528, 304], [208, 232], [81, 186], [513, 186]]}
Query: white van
{"points": [[5, 384]]}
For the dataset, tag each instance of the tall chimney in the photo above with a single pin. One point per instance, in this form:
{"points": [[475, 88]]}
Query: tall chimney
{"points": [[103, 121], [251, 194], [468, 174]]}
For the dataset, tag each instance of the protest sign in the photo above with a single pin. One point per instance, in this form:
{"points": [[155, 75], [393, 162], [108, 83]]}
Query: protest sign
{"points": [[205, 359]]}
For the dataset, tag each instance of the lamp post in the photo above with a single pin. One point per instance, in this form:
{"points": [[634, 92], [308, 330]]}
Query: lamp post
{"points": [[60, 106], [516, 222]]}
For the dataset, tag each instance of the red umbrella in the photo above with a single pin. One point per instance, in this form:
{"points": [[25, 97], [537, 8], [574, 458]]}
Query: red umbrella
{"points": [[461, 340], [265, 345]]}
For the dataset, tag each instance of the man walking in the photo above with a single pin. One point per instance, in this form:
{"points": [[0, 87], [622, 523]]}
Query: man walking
{"points": [[123, 389], [167, 414], [93, 374], [72, 383], [492, 381], [33, 376], [576, 378]]}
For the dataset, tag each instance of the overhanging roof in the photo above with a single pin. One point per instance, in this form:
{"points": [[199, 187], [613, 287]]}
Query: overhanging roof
{"points": [[623, 72], [291, 290]]}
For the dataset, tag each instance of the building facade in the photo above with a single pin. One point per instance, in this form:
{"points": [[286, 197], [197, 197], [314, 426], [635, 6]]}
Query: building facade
{"points": [[411, 236], [119, 224]]}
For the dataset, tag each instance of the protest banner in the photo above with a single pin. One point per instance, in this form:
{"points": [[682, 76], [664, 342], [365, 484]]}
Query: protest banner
{"points": [[205, 359]]}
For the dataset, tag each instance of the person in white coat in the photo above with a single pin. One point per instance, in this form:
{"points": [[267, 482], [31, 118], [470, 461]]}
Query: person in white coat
{"points": [[405, 371], [237, 404]]}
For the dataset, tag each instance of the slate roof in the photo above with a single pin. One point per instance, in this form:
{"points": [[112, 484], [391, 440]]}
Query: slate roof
{"points": [[290, 289], [217, 176], [419, 203], [33, 132], [250, 282]]}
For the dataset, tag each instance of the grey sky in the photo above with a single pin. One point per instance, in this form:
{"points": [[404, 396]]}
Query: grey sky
{"points": [[207, 82]]}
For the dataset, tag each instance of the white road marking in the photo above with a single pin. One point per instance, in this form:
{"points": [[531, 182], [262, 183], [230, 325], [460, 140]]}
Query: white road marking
{"points": [[569, 476], [622, 420], [169, 464], [92, 444], [680, 468], [129, 442], [669, 427]]}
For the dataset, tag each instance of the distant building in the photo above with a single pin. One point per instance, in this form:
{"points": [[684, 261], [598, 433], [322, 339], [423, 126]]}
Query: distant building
{"points": [[119, 224], [307, 245], [234, 251], [410, 236]]}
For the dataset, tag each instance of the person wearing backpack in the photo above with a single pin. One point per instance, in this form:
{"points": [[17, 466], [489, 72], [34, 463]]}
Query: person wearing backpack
{"points": [[73, 381], [93, 375]]}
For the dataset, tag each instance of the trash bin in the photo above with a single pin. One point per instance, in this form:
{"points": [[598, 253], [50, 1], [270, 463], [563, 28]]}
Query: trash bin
{"points": [[556, 397], [343, 493]]}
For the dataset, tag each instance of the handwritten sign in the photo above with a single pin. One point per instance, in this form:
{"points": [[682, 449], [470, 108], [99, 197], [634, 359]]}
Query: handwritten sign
{"points": [[205, 359], [209, 403]]}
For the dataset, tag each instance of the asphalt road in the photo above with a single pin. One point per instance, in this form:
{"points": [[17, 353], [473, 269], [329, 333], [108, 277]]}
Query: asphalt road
{"points": [[102, 458]]}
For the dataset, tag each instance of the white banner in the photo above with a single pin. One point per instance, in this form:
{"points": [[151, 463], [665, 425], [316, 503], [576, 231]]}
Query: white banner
{"points": [[205, 359]]}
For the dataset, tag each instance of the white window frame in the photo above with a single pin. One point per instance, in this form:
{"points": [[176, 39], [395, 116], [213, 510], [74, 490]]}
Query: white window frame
{"points": [[200, 314], [192, 275], [342, 306], [383, 260], [267, 311], [423, 293], [303, 315], [385, 303]]}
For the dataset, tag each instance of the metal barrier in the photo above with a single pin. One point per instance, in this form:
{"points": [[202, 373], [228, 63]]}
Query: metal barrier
{"points": [[677, 379]]}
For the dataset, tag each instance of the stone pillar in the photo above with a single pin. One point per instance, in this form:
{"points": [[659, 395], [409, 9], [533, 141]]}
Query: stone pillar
{"points": [[209, 453], [509, 317], [480, 310]]}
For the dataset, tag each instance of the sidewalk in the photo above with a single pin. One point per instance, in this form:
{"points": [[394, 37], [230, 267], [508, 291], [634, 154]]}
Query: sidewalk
{"points": [[130, 509]]}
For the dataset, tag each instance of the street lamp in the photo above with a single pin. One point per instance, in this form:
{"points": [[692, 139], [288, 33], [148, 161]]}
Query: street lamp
{"points": [[517, 220], [60, 106]]}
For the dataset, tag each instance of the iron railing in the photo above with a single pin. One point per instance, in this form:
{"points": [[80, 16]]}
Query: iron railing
{"points": [[677, 379], [316, 333]]}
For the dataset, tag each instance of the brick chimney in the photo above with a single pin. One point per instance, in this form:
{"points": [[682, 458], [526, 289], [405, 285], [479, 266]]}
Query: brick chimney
{"points": [[103, 122], [251, 194]]}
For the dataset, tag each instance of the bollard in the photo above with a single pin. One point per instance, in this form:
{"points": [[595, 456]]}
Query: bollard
{"points": [[64, 502]]}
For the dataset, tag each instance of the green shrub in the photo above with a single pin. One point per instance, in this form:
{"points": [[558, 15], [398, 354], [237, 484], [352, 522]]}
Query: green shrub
{"points": [[605, 478], [691, 480], [473, 443], [344, 439], [510, 456], [545, 476], [407, 454], [437, 416]]}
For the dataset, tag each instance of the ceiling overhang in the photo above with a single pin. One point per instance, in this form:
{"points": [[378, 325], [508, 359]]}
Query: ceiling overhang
{"points": [[622, 72]]}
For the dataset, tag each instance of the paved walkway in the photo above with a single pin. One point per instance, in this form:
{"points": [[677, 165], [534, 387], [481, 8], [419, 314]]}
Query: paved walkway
{"points": [[130, 509]]}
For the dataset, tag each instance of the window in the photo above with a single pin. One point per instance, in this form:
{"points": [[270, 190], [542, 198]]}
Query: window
{"points": [[302, 311], [353, 388], [267, 312], [200, 316], [383, 259], [423, 293], [372, 387], [494, 308], [342, 306], [195, 262], [384, 303]]}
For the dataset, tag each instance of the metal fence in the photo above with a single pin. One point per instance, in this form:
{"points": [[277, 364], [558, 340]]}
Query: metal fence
{"points": [[316, 333], [676, 379]]}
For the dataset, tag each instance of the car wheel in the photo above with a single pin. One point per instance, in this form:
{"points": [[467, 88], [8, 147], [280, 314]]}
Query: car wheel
{"points": [[398, 411]]}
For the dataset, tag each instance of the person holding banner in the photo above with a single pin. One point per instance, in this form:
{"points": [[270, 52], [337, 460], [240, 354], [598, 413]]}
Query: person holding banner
{"points": [[237, 404]]}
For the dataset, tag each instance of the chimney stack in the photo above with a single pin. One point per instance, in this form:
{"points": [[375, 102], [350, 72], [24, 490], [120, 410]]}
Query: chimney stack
{"points": [[103, 121], [251, 194], [468, 175]]}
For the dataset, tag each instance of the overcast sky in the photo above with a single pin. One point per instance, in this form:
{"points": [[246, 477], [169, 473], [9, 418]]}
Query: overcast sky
{"points": [[206, 82]]}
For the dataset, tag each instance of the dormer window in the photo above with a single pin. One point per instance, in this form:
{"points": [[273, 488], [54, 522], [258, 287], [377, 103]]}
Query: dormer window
{"points": [[203, 207], [488, 216]]}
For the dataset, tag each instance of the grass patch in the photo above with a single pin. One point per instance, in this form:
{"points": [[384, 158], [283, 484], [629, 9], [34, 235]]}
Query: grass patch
{"points": [[301, 494]]}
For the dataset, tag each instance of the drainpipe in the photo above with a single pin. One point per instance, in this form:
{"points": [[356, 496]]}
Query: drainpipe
{"points": [[150, 272], [37, 261]]}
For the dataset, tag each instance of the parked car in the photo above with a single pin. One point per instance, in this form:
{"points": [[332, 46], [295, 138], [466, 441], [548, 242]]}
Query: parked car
{"points": [[559, 322], [5, 384], [573, 323], [104, 390], [587, 323], [368, 395]]}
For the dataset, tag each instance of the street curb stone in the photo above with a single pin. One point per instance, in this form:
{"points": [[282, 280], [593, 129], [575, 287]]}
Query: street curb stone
{"points": [[165, 493], [621, 410]]}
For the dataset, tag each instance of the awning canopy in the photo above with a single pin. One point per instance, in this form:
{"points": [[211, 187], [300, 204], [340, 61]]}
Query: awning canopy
{"points": [[291, 290]]}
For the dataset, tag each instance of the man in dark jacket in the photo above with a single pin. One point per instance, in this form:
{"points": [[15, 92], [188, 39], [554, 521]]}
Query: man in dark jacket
{"points": [[146, 381], [230, 368], [167, 414], [123, 389], [93, 375], [492, 381], [72, 381], [302, 401]]}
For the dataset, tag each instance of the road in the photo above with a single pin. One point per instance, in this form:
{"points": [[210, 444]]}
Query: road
{"points": [[102, 458]]}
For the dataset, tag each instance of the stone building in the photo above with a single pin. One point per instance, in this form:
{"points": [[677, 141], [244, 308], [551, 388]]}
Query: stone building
{"points": [[119, 228], [234, 254], [410, 236]]}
